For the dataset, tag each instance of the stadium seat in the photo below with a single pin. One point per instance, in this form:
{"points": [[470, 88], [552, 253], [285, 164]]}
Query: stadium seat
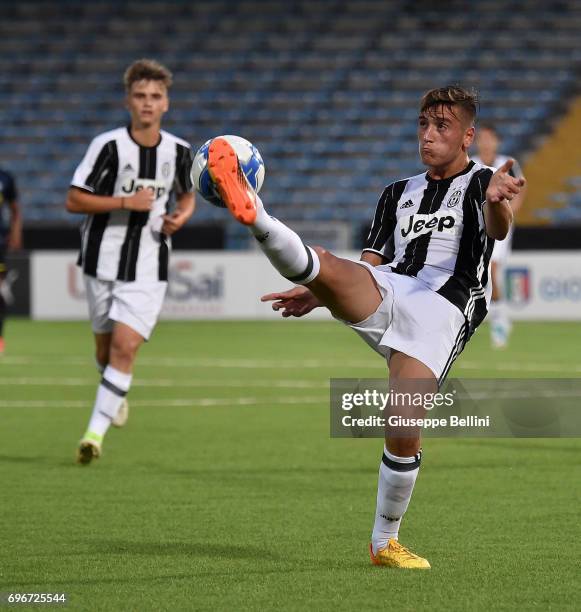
{"points": [[327, 90]]}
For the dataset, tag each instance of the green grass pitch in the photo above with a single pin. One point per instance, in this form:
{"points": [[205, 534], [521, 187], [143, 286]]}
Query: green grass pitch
{"points": [[225, 492]]}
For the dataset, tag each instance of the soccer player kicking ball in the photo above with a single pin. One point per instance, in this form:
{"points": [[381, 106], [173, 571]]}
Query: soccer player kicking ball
{"points": [[421, 287], [123, 186]]}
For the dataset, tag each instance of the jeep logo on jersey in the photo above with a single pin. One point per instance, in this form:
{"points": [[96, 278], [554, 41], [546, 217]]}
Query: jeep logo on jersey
{"points": [[416, 225], [455, 198], [135, 185]]}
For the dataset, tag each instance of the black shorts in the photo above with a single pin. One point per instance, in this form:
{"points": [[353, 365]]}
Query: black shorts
{"points": [[2, 258]]}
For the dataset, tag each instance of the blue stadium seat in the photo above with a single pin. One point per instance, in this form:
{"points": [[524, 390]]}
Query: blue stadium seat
{"points": [[327, 90]]}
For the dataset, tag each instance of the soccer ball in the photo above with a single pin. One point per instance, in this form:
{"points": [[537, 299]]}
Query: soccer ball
{"points": [[250, 161]]}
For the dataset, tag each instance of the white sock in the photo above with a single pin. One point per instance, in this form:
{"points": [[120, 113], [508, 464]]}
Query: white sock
{"points": [[283, 247], [397, 476], [499, 321], [110, 393], [499, 313]]}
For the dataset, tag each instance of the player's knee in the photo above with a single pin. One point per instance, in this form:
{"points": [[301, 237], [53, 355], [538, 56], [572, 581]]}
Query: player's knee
{"points": [[123, 350], [326, 258]]}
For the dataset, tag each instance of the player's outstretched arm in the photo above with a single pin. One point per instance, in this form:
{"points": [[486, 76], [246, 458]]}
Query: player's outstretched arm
{"points": [[501, 190], [295, 302], [299, 301], [185, 207], [79, 201]]}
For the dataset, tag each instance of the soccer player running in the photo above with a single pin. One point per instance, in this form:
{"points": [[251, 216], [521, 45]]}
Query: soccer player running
{"points": [[125, 185], [421, 287], [10, 236], [487, 144]]}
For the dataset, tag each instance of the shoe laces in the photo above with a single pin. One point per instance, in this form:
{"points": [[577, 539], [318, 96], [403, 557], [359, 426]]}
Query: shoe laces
{"points": [[395, 546]]}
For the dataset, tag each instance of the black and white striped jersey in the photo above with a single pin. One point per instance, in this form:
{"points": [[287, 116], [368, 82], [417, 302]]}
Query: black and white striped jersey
{"points": [[128, 245], [434, 230]]}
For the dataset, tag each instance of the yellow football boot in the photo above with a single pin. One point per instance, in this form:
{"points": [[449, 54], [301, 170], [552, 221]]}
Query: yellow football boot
{"points": [[89, 448], [396, 555]]}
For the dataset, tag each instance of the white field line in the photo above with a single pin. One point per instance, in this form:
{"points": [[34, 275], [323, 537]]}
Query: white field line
{"points": [[278, 364], [521, 366], [514, 395], [249, 401], [173, 383], [172, 403], [269, 364]]}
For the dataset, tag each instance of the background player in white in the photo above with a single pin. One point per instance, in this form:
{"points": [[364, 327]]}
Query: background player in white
{"points": [[436, 231], [125, 185], [487, 144]]}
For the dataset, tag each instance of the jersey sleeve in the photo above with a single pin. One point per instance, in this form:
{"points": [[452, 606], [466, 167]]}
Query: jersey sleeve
{"points": [[479, 185], [183, 180], [99, 163], [380, 238]]}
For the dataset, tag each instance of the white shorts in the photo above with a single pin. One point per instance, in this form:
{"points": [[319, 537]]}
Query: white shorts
{"points": [[414, 320], [136, 304], [502, 249]]}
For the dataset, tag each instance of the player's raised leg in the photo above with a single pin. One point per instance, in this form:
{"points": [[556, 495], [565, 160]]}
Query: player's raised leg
{"points": [[347, 289]]}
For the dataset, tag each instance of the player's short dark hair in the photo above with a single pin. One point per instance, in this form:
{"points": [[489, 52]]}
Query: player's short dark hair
{"points": [[451, 96], [147, 70]]}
